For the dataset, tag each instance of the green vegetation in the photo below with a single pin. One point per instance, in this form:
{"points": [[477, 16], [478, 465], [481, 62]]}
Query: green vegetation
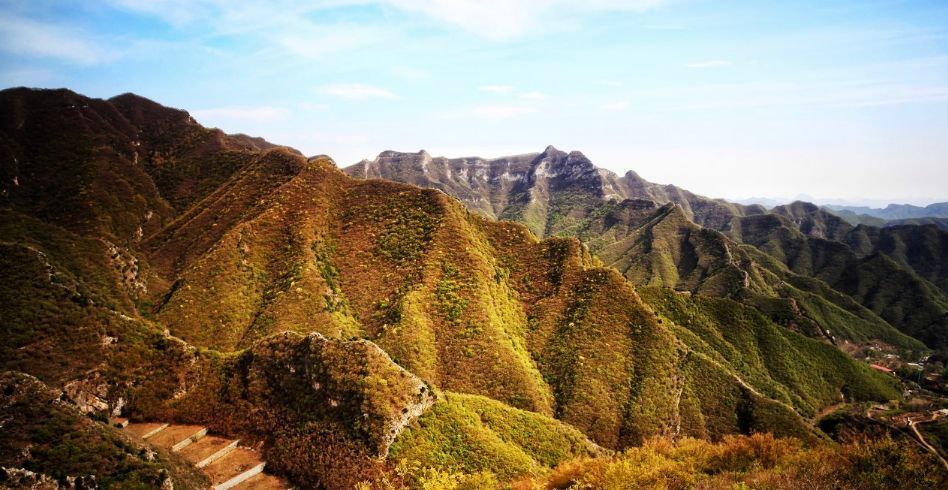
{"points": [[759, 461], [782, 364], [320, 315], [450, 303], [45, 435], [471, 434]]}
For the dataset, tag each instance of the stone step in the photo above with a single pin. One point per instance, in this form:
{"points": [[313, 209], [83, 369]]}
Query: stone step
{"points": [[176, 437], [264, 481], [233, 468], [146, 430], [207, 450]]}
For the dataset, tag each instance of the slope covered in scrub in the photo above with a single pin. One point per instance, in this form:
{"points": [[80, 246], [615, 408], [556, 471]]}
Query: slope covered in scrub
{"points": [[48, 436], [471, 434], [872, 267], [330, 319], [663, 235], [660, 246], [758, 461], [782, 364], [469, 305]]}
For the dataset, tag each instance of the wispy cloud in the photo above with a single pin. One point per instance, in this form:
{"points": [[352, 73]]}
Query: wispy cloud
{"points": [[496, 112], [820, 94], [492, 19], [532, 95], [410, 73], [497, 89], [30, 77], [310, 40], [241, 113], [27, 37], [506, 19], [356, 91], [616, 105], [510, 90], [700, 65]]}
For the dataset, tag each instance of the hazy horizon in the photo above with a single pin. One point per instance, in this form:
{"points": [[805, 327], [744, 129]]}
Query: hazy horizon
{"points": [[845, 100]]}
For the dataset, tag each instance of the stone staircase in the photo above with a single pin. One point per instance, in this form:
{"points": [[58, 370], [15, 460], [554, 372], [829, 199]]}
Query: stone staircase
{"points": [[222, 460]]}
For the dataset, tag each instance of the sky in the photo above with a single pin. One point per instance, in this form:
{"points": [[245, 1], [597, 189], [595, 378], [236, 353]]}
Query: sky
{"points": [[834, 99]]}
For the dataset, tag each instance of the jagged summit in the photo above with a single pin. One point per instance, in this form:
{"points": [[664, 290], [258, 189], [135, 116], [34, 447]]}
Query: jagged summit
{"points": [[536, 184]]}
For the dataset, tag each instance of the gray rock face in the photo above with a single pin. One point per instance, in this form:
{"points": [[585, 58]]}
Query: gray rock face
{"points": [[549, 191]]}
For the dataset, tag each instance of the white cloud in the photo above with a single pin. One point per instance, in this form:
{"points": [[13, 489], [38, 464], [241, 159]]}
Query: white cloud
{"points": [[708, 64], [27, 77], [496, 112], [31, 38], [311, 107], [616, 105], [492, 19], [800, 93], [240, 113], [310, 40], [175, 12], [506, 19], [497, 89], [410, 73], [511, 90], [532, 95], [356, 91]]}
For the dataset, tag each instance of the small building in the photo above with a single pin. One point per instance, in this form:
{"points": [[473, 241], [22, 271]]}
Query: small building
{"points": [[880, 368]]}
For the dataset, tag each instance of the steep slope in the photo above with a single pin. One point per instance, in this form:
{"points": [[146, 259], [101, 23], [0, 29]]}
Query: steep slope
{"points": [[664, 248], [921, 248], [46, 441], [878, 268], [813, 221], [119, 167], [624, 222], [469, 305], [329, 319]]}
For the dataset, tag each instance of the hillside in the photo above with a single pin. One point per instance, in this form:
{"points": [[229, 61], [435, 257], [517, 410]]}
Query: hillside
{"points": [[896, 272], [662, 235], [370, 332]]}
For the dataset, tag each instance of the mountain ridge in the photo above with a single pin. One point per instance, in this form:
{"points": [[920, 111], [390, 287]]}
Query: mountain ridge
{"points": [[328, 319], [577, 201]]}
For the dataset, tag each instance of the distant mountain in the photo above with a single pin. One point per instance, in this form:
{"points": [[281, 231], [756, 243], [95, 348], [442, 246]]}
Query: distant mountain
{"points": [[767, 202], [941, 223], [551, 192], [898, 211], [857, 219], [898, 273], [627, 222]]}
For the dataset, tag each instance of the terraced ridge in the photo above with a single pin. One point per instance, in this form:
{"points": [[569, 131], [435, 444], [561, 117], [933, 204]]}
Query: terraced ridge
{"points": [[225, 463]]}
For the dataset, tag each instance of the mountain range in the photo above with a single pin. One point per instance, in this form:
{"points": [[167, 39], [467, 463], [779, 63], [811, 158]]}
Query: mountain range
{"points": [[460, 319], [666, 236], [898, 211]]}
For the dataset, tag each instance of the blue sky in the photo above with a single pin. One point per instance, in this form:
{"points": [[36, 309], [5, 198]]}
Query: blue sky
{"points": [[841, 99]]}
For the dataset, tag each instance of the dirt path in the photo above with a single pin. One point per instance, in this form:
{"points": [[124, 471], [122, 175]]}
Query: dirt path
{"points": [[921, 438]]}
